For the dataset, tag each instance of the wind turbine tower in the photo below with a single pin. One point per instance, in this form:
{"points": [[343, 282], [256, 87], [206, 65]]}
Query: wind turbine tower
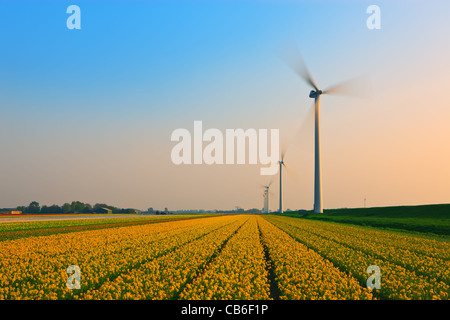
{"points": [[281, 164], [266, 198]]}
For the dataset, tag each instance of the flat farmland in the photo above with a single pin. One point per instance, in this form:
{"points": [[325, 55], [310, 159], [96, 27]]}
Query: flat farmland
{"points": [[34, 225], [226, 257]]}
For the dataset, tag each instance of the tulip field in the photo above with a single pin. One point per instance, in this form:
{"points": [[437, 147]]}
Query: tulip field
{"points": [[226, 257]]}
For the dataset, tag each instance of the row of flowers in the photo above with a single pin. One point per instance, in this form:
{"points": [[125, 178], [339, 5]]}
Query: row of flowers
{"points": [[15, 230], [302, 273], [425, 257], [404, 273], [238, 272], [36, 267], [165, 276]]}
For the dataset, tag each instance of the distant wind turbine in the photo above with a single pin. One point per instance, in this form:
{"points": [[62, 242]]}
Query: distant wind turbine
{"points": [[281, 164], [266, 197]]}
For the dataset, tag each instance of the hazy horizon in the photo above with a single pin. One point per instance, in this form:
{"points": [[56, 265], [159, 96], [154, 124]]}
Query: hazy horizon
{"points": [[87, 115]]}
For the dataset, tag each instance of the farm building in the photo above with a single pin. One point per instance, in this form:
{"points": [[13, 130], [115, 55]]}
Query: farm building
{"points": [[10, 211], [104, 210]]}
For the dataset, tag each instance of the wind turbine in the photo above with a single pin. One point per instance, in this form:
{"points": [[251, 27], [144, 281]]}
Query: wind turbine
{"points": [[266, 197], [265, 202], [300, 68], [281, 164]]}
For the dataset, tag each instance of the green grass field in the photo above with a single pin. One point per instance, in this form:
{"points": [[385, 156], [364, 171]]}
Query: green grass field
{"points": [[427, 219]]}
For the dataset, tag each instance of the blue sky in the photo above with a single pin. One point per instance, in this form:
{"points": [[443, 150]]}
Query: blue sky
{"points": [[85, 109], [155, 45]]}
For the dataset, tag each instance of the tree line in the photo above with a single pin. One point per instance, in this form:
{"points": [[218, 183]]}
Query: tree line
{"points": [[74, 207]]}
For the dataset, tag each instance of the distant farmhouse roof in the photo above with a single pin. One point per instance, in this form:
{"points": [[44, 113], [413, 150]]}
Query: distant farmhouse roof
{"points": [[104, 210]]}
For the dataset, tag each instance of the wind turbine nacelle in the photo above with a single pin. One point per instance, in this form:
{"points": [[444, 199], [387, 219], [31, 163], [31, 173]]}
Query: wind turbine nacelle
{"points": [[315, 94]]}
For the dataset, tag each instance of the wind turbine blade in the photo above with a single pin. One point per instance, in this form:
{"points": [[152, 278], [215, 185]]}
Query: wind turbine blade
{"points": [[297, 64], [284, 147], [306, 127], [283, 150], [357, 87], [291, 172]]}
